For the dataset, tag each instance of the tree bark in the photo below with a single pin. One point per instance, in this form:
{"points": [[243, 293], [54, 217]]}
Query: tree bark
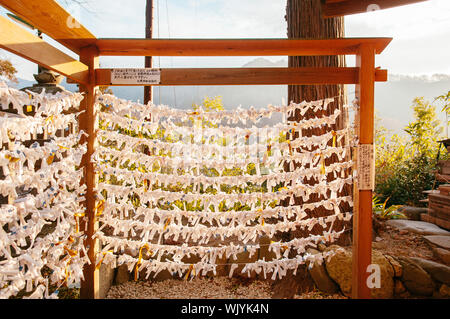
{"points": [[305, 21], [148, 35]]}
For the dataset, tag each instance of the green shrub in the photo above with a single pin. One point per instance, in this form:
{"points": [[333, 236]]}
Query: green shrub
{"points": [[405, 164]]}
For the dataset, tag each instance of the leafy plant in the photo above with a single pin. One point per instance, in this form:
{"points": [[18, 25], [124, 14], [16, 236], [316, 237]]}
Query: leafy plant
{"points": [[7, 71], [445, 98], [405, 164], [390, 212]]}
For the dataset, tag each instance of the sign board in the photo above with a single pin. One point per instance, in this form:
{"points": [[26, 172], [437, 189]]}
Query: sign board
{"points": [[366, 167], [145, 76]]}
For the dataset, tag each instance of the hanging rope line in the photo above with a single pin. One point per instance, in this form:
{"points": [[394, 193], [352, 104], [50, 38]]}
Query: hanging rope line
{"points": [[197, 179], [41, 243]]}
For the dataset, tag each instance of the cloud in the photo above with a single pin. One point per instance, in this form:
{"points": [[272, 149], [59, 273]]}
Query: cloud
{"points": [[184, 19], [420, 30]]}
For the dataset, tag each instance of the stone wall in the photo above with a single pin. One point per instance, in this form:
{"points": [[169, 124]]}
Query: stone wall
{"points": [[401, 277]]}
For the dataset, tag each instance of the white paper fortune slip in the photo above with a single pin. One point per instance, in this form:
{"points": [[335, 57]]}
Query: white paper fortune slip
{"points": [[136, 76], [366, 167]]}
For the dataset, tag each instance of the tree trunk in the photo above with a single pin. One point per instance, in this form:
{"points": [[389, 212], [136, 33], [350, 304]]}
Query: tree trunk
{"points": [[148, 35], [305, 21]]}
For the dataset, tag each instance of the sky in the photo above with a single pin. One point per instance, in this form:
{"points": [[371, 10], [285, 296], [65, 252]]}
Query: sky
{"points": [[421, 31]]}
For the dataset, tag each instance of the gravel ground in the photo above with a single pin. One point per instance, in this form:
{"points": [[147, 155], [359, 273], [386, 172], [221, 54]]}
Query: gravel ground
{"points": [[198, 288], [393, 242], [203, 288]]}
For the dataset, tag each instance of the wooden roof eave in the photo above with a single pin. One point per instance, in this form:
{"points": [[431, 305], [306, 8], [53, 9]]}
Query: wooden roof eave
{"points": [[53, 20], [337, 8]]}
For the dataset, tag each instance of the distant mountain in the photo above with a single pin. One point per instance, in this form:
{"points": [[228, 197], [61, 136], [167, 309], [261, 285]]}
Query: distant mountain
{"points": [[393, 99], [264, 63]]}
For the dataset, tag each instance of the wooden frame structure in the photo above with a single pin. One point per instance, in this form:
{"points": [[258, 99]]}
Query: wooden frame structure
{"points": [[337, 8], [53, 20]]}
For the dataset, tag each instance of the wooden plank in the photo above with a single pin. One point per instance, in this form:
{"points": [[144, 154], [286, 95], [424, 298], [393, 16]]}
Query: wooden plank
{"points": [[362, 222], [444, 189], [348, 7], [251, 76], [21, 42], [435, 220], [444, 167], [443, 178], [88, 123], [52, 19], [236, 47]]}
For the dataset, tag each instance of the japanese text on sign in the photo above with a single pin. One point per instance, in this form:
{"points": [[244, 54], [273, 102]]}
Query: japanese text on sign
{"points": [[136, 76], [366, 167]]}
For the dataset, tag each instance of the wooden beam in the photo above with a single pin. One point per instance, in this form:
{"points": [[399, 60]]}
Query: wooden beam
{"points": [[362, 221], [50, 18], [348, 7], [22, 43], [88, 122], [235, 47], [251, 76]]}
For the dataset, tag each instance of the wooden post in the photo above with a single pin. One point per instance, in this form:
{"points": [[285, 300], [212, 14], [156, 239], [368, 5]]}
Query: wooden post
{"points": [[362, 220], [88, 123], [148, 35]]}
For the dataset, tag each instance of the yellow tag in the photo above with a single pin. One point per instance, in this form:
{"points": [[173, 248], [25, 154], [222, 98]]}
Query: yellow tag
{"points": [[334, 138], [136, 273], [77, 224], [101, 260], [50, 118], [100, 207], [322, 165], [10, 135], [283, 188], [66, 271], [262, 221], [50, 159], [189, 272], [53, 198], [63, 147], [167, 224], [290, 147], [140, 169], [12, 159], [29, 108], [293, 132], [72, 253]]}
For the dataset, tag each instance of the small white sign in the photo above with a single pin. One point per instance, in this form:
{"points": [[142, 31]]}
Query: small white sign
{"points": [[136, 76], [366, 167]]}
